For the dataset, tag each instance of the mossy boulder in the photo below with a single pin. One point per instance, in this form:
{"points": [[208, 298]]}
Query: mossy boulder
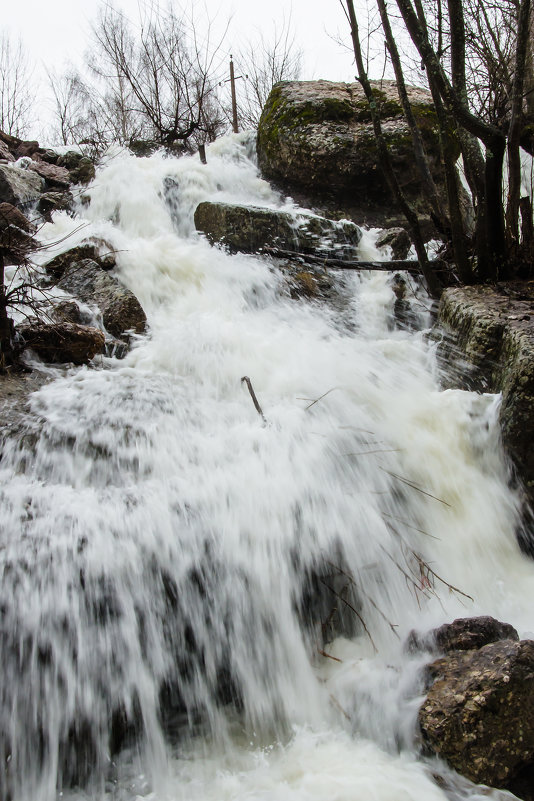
{"points": [[249, 229], [317, 137]]}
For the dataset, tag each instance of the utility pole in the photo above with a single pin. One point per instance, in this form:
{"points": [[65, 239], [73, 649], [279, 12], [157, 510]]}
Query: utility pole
{"points": [[234, 101]]}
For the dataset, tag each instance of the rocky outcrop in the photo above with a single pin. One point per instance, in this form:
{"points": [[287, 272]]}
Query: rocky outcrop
{"points": [[317, 137], [55, 176], [54, 201], [249, 229], [398, 239], [16, 234], [463, 634], [479, 712], [121, 311], [62, 342], [40, 174], [90, 249], [491, 330], [19, 187], [81, 169]]}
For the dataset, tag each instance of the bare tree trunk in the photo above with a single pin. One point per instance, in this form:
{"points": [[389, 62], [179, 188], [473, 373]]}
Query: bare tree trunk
{"points": [[421, 160], [492, 257], [514, 133], [385, 160]]}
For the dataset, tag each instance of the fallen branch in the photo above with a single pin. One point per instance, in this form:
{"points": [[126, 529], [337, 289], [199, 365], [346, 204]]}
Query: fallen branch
{"points": [[404, 265], [353, 609], [415, 487], [327, 655], [257, 406]]}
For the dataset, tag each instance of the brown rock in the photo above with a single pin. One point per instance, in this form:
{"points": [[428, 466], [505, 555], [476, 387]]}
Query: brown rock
{"points": [[463, 634], [16, 232], [479, 712], [54, 175], [5, 153], [63, 342]]}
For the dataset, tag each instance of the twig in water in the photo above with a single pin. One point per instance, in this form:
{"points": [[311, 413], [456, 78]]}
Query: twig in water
{"points": [[336, 703], [352, 608], [415, 487], [328, 656], [257, 406], [426, 569], [408, 525], [319, 398], [366, 453], [393, 626]]}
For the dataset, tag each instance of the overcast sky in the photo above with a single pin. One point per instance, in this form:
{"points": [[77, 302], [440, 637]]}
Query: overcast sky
{"points": [[56, 31]]}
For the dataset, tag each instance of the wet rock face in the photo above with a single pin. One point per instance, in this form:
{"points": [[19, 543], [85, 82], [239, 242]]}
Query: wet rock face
{"points": [[479, 712], [19, 187], [121, 311], [463, 634], [317, 136], [248, 229], [493, 331]]}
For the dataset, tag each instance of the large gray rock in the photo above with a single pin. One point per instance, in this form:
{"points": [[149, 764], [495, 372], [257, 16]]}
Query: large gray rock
{"points": [[19, 187], [317, 137], [121, 311], [479, 712], [249, 229]]}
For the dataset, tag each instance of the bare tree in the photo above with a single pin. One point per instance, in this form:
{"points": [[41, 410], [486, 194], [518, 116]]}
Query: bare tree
{"points": [[16, 95], [158, 77], [72, 102], [262, 64]]}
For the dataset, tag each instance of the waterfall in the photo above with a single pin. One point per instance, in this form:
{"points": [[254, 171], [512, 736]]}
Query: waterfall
{"points": [[197, 603]]}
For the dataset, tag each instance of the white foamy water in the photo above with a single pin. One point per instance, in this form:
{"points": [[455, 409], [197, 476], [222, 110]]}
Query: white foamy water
{"points": [[172, 564]]}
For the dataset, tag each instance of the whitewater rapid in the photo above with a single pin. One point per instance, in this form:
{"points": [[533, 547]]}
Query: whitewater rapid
{"points": [[171, 561]]}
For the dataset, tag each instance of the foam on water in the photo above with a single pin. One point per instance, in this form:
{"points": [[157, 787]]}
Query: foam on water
{"points": [[168, 559]]}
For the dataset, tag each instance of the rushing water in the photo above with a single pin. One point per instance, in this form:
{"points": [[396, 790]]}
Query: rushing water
{"points": [[198, 604]]}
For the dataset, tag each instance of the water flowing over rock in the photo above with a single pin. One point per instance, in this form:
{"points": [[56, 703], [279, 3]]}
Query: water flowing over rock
{"points": [[121, 311], [398, 240], [479, 711], [250, 229], [463, 634], [491, 329], [200, 602], [317, 137]]}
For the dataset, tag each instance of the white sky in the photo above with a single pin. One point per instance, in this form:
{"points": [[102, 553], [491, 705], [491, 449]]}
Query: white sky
{"points": [[57, 31]]}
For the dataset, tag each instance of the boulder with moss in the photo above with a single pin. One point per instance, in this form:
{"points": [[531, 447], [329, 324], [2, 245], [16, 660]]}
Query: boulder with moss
{"points": [[249, 229], [317, 137]]}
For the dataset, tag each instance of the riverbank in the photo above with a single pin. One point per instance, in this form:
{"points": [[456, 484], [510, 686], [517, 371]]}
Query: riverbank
{"points": [[488, 346]]}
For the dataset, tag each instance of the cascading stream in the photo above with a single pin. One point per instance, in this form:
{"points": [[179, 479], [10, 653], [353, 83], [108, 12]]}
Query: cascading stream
{"points": [[172, 565]]}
